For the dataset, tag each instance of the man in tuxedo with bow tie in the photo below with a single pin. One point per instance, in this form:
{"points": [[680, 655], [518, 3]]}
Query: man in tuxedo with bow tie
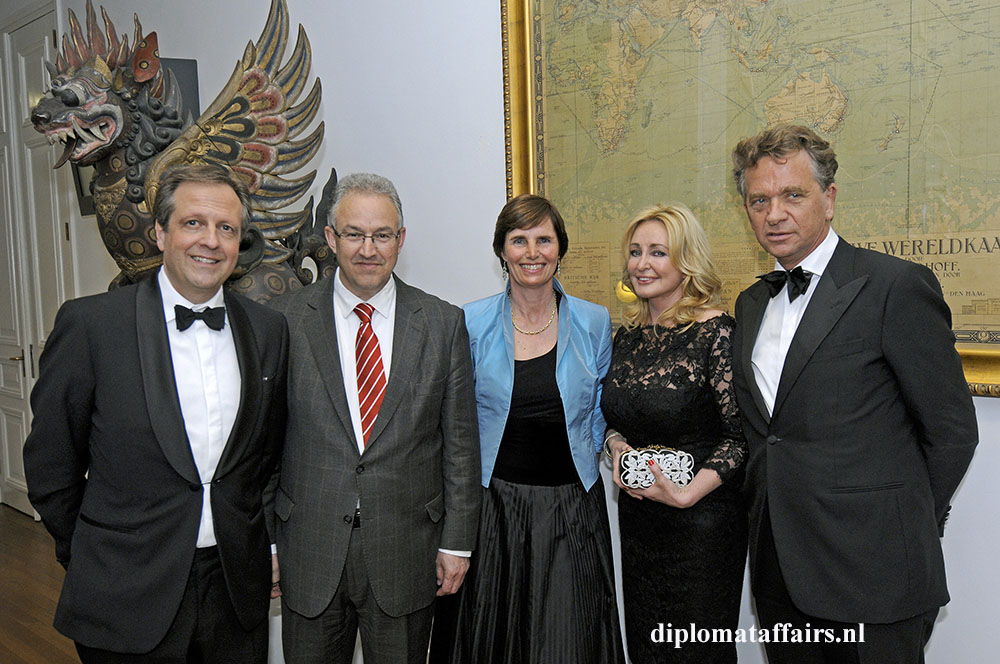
{"points": [[859, 421], [378, 501], [158, 418]]}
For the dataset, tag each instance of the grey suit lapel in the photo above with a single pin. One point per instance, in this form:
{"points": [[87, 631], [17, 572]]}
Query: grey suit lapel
{"points": [[250, 385], [408, 334], [834, 293], [320, 326], [158, 381], [756, 300]]}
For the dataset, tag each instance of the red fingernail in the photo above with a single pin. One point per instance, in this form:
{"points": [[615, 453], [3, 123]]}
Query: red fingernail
{"points": [[650, 462]]}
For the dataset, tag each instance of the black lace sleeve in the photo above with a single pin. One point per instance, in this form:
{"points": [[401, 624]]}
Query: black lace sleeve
{"points": [[730, 453]]}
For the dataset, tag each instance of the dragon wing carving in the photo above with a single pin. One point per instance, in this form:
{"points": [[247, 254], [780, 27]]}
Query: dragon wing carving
{"points": [[254, 127]]}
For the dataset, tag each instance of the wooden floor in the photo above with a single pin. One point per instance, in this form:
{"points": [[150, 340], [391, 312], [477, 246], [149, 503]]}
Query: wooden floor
{"points": [[30, 579]]}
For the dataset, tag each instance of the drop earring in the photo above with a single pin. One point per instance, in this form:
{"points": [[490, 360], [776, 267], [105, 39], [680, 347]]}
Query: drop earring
{"points": [[503, 269]]}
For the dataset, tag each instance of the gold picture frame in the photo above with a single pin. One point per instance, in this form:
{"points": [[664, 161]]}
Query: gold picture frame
{"points": [[522, 63], [516, 93]]}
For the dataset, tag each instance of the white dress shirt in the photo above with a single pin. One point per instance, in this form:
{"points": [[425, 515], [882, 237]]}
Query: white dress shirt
{"points": [[383, 320], [781, 320], [207, 375]]}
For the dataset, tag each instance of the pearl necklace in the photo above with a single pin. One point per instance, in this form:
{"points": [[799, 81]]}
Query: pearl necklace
{"points": [[552, 317]]}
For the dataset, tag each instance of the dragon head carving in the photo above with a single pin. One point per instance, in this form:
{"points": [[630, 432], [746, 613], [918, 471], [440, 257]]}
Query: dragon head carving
{"points": [[81, 111], [108, 99]]}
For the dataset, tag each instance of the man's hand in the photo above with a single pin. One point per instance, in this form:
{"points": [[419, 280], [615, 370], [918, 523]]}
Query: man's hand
{"points": [[450, 573], [275, 577]]}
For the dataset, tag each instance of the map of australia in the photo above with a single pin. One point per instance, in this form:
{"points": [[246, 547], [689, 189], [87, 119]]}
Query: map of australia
{"points": [[639, 102]]}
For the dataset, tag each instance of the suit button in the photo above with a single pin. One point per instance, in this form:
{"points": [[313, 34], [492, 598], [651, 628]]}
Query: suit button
{"points": [[194, 487], [348, 518], [771, 440], [360, 469]]}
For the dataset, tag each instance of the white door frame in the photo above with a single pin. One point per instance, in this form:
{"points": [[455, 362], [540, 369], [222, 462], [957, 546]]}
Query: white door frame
{"points": [[34, 213]]}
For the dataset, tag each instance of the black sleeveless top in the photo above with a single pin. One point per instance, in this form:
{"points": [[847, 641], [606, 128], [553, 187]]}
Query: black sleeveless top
{"points": [[535, 448]]}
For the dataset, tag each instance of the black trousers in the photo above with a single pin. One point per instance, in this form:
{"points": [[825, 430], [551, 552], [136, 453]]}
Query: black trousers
{"points": [[899, 642], [205, 629]]}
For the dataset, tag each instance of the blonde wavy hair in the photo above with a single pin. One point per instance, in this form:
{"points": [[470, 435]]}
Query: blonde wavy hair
{"points": [[690, 253]]}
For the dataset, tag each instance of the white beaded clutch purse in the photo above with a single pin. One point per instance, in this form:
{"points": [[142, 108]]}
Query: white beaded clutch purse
{"points": [[676, 465]]}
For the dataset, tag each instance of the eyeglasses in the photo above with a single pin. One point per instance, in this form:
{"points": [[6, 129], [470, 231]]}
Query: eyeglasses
{"points": [[382, 238]]}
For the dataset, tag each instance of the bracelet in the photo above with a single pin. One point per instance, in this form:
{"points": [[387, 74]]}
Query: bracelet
{"points": [[607, 439]]}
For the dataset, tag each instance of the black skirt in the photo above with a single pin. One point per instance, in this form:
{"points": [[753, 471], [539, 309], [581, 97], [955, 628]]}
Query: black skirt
{"points": [[540, 588]]}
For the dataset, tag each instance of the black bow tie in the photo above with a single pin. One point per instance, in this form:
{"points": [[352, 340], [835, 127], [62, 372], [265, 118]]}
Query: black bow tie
{"points": [[798, 281], [214, 317]]}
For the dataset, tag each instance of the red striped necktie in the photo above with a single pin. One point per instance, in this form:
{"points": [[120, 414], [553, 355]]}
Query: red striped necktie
{"points": [[371, 377]]}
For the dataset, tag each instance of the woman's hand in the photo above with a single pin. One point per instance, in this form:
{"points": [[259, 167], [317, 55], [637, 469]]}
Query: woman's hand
{"points": [[666, 492]]}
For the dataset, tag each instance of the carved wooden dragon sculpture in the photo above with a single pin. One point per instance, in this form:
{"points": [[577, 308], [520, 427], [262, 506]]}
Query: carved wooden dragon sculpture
{"points": [[115, 108]]}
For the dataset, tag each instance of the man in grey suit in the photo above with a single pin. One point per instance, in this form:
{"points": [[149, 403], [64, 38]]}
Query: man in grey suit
{"points": [[858, 419], [378, 498]]}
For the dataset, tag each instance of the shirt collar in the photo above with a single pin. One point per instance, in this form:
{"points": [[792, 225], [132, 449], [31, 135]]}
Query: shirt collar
{"points": [[817, 261], [384, 301], [171, 297]]}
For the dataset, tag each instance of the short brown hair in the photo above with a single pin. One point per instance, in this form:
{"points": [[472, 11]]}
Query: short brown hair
{"points": [[778, 142], [176, 175], [528, 211]]}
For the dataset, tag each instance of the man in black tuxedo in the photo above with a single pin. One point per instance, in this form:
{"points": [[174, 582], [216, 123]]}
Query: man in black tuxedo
{"points": [[858, 418], [157, 423]]}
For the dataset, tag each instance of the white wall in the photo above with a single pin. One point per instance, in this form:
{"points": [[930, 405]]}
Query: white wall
{"points": [[967, 628], [416, 94]]}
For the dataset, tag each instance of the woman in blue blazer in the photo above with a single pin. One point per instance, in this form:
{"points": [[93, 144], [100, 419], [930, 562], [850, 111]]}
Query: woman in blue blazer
{"points": [[541, 585]]}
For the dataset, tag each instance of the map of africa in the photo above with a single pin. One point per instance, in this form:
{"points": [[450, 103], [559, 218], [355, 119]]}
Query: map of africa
{"points": [[639, 102]]}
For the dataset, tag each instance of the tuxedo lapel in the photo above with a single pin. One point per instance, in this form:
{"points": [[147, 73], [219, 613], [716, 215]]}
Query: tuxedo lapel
{"points": [[408, 334], [756, 303], [158, 383], [320, 326], [834, 293], [250, 385]]}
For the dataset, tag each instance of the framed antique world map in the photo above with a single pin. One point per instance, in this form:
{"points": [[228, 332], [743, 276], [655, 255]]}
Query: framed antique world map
{"points": [[615, 105]]}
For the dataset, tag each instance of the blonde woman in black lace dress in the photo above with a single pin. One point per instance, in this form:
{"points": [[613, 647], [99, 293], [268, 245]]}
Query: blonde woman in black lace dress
{"points": [[670, 384]]}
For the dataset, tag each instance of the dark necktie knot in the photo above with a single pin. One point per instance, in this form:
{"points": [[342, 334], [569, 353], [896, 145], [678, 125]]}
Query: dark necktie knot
{"points": [[214, 317], [796, 278]]}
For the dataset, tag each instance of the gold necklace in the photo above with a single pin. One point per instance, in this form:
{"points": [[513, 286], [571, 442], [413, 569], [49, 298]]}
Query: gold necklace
{"points": [[552, 317]]}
